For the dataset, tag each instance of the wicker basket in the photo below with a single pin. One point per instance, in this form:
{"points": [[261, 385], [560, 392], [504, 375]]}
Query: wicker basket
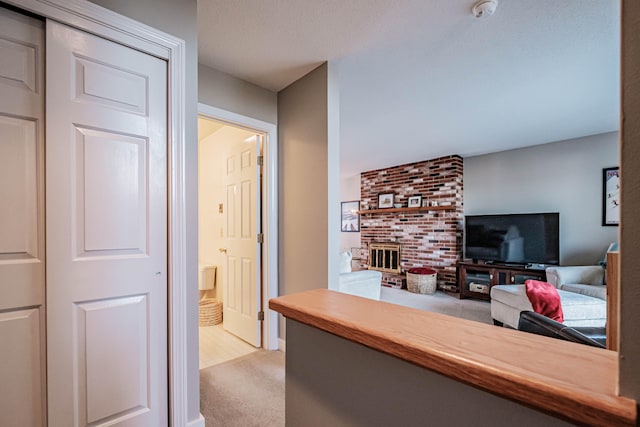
{"points": [[421, 280], [210, 312]]}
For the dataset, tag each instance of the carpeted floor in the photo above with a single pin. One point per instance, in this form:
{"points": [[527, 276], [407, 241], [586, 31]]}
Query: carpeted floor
{"points": [[440, 302], [249, 391], [244, 392]]}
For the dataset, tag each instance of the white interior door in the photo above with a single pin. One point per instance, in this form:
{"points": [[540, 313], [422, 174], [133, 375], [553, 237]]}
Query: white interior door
{"points": [[22, 233], [241, 296], [106, 232]]}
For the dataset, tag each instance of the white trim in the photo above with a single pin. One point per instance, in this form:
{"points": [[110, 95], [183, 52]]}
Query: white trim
{"points": [[102, 22], [269, 213], [282, 345]]}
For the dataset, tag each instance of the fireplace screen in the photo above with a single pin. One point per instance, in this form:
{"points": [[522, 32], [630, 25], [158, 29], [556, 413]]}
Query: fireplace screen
{"points": [[385, 257]]}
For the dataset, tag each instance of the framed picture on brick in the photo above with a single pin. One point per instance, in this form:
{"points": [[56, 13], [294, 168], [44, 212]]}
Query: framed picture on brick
{"points": [[415, 201], [385, 200]]}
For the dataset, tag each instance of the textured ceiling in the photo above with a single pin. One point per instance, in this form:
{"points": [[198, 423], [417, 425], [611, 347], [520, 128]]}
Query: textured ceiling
{"points": [[424, 78]]}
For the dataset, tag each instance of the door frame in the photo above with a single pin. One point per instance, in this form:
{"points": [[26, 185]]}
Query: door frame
{"points": [[112, 26], [269, 209]]}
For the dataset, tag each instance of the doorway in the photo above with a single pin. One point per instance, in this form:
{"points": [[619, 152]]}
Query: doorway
{"points": [[267, 214], [229, 236]]}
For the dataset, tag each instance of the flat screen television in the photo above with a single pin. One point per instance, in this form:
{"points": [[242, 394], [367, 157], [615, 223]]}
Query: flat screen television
{"points": [[532, 238]]}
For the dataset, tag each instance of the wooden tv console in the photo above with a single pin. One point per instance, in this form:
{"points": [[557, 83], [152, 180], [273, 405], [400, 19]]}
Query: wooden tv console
{"points": [[476, 279]]}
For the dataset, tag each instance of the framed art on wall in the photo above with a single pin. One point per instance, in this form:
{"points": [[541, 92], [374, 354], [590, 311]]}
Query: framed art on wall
{"points": [[349, 218], [385, 200], [611, 196], [415, 201]]}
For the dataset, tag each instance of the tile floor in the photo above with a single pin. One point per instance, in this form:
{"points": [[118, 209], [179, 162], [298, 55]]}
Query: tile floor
{"points": [[217, 346]]}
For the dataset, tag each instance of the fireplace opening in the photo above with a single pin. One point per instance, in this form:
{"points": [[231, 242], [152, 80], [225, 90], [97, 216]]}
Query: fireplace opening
{"points": [[385, 257]]}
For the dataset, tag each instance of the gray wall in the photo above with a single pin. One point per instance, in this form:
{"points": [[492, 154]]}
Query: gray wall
{"points": [[331, 381], [563, 177], [302, 151], [178, 17], [218, 89]]}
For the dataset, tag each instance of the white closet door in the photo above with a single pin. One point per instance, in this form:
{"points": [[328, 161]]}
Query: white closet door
{"points": [[106, 183], [22, 245]]}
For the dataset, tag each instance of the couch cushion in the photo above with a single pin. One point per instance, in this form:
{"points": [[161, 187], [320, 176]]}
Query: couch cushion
{"points": [[583, 310], [596, 291], [512, 295], [344, 263], [587, 274]]}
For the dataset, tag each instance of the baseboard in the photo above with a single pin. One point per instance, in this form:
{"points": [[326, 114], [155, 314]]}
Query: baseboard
{"points": [[282, 345], [196, 423]]}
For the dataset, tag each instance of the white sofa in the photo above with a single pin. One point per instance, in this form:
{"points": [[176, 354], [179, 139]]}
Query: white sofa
{"points": [[365, 283], [583, 296]]}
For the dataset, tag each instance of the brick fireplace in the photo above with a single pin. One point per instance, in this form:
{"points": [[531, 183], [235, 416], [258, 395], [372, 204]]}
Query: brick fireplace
{"points": [[430, 238]]}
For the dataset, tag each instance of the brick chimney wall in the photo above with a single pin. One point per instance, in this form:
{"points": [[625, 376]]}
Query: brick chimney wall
{"points": [[429, 239]]}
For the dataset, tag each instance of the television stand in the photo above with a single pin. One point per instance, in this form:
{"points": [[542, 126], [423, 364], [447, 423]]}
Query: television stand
{"points": [[516, 265], [476, 280]]}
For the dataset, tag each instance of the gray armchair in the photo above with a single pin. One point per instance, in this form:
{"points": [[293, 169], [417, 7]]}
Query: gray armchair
{"points": [[586, 280]]}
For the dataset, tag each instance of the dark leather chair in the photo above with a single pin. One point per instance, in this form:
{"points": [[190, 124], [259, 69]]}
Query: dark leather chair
{"points": [[538, 324]]}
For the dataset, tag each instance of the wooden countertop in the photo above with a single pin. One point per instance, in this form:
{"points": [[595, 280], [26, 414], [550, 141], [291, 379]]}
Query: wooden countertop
{"points": [[570, 381]]}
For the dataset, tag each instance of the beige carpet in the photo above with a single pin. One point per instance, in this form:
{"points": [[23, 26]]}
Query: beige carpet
{"points": [[244, 392], [440, 302], [249, 391]]}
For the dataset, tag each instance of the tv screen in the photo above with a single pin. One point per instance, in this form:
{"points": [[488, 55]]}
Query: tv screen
{"points": [[513, 238]]}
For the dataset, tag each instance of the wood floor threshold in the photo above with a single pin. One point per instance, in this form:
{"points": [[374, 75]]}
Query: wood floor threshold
{"points": [[569, 381]]}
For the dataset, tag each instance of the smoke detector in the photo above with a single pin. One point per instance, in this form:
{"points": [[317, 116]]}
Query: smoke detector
{"points": [[484, 8]]}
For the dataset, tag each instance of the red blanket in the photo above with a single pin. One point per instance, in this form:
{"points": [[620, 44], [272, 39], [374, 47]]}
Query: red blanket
{"points": [[545, 299]]}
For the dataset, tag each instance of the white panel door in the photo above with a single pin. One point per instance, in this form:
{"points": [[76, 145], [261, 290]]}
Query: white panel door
{"points": [[241, 302], [106, 232], [22, 244]]}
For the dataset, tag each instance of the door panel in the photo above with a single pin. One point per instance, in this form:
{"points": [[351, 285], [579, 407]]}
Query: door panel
{"points": [[241, 295], [21, 373], [18, 170], [112, 217], [125, 321], [109, 86], [22, 233], [107, 232], [18, 67]]}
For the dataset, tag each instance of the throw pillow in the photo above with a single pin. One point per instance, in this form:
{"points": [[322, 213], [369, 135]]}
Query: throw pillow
{"points": [[545, 299]]}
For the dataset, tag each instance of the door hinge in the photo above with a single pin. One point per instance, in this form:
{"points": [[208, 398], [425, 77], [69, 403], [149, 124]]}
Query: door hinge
{"points": [[260, 238], [260, 161], [261, 315]]}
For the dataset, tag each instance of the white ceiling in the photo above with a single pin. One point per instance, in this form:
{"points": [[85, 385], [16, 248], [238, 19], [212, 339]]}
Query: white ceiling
{"points": [[423, 78]]}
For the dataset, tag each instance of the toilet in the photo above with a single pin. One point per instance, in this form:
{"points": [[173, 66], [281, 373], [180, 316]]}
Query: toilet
{"points": [[206, 277]]}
